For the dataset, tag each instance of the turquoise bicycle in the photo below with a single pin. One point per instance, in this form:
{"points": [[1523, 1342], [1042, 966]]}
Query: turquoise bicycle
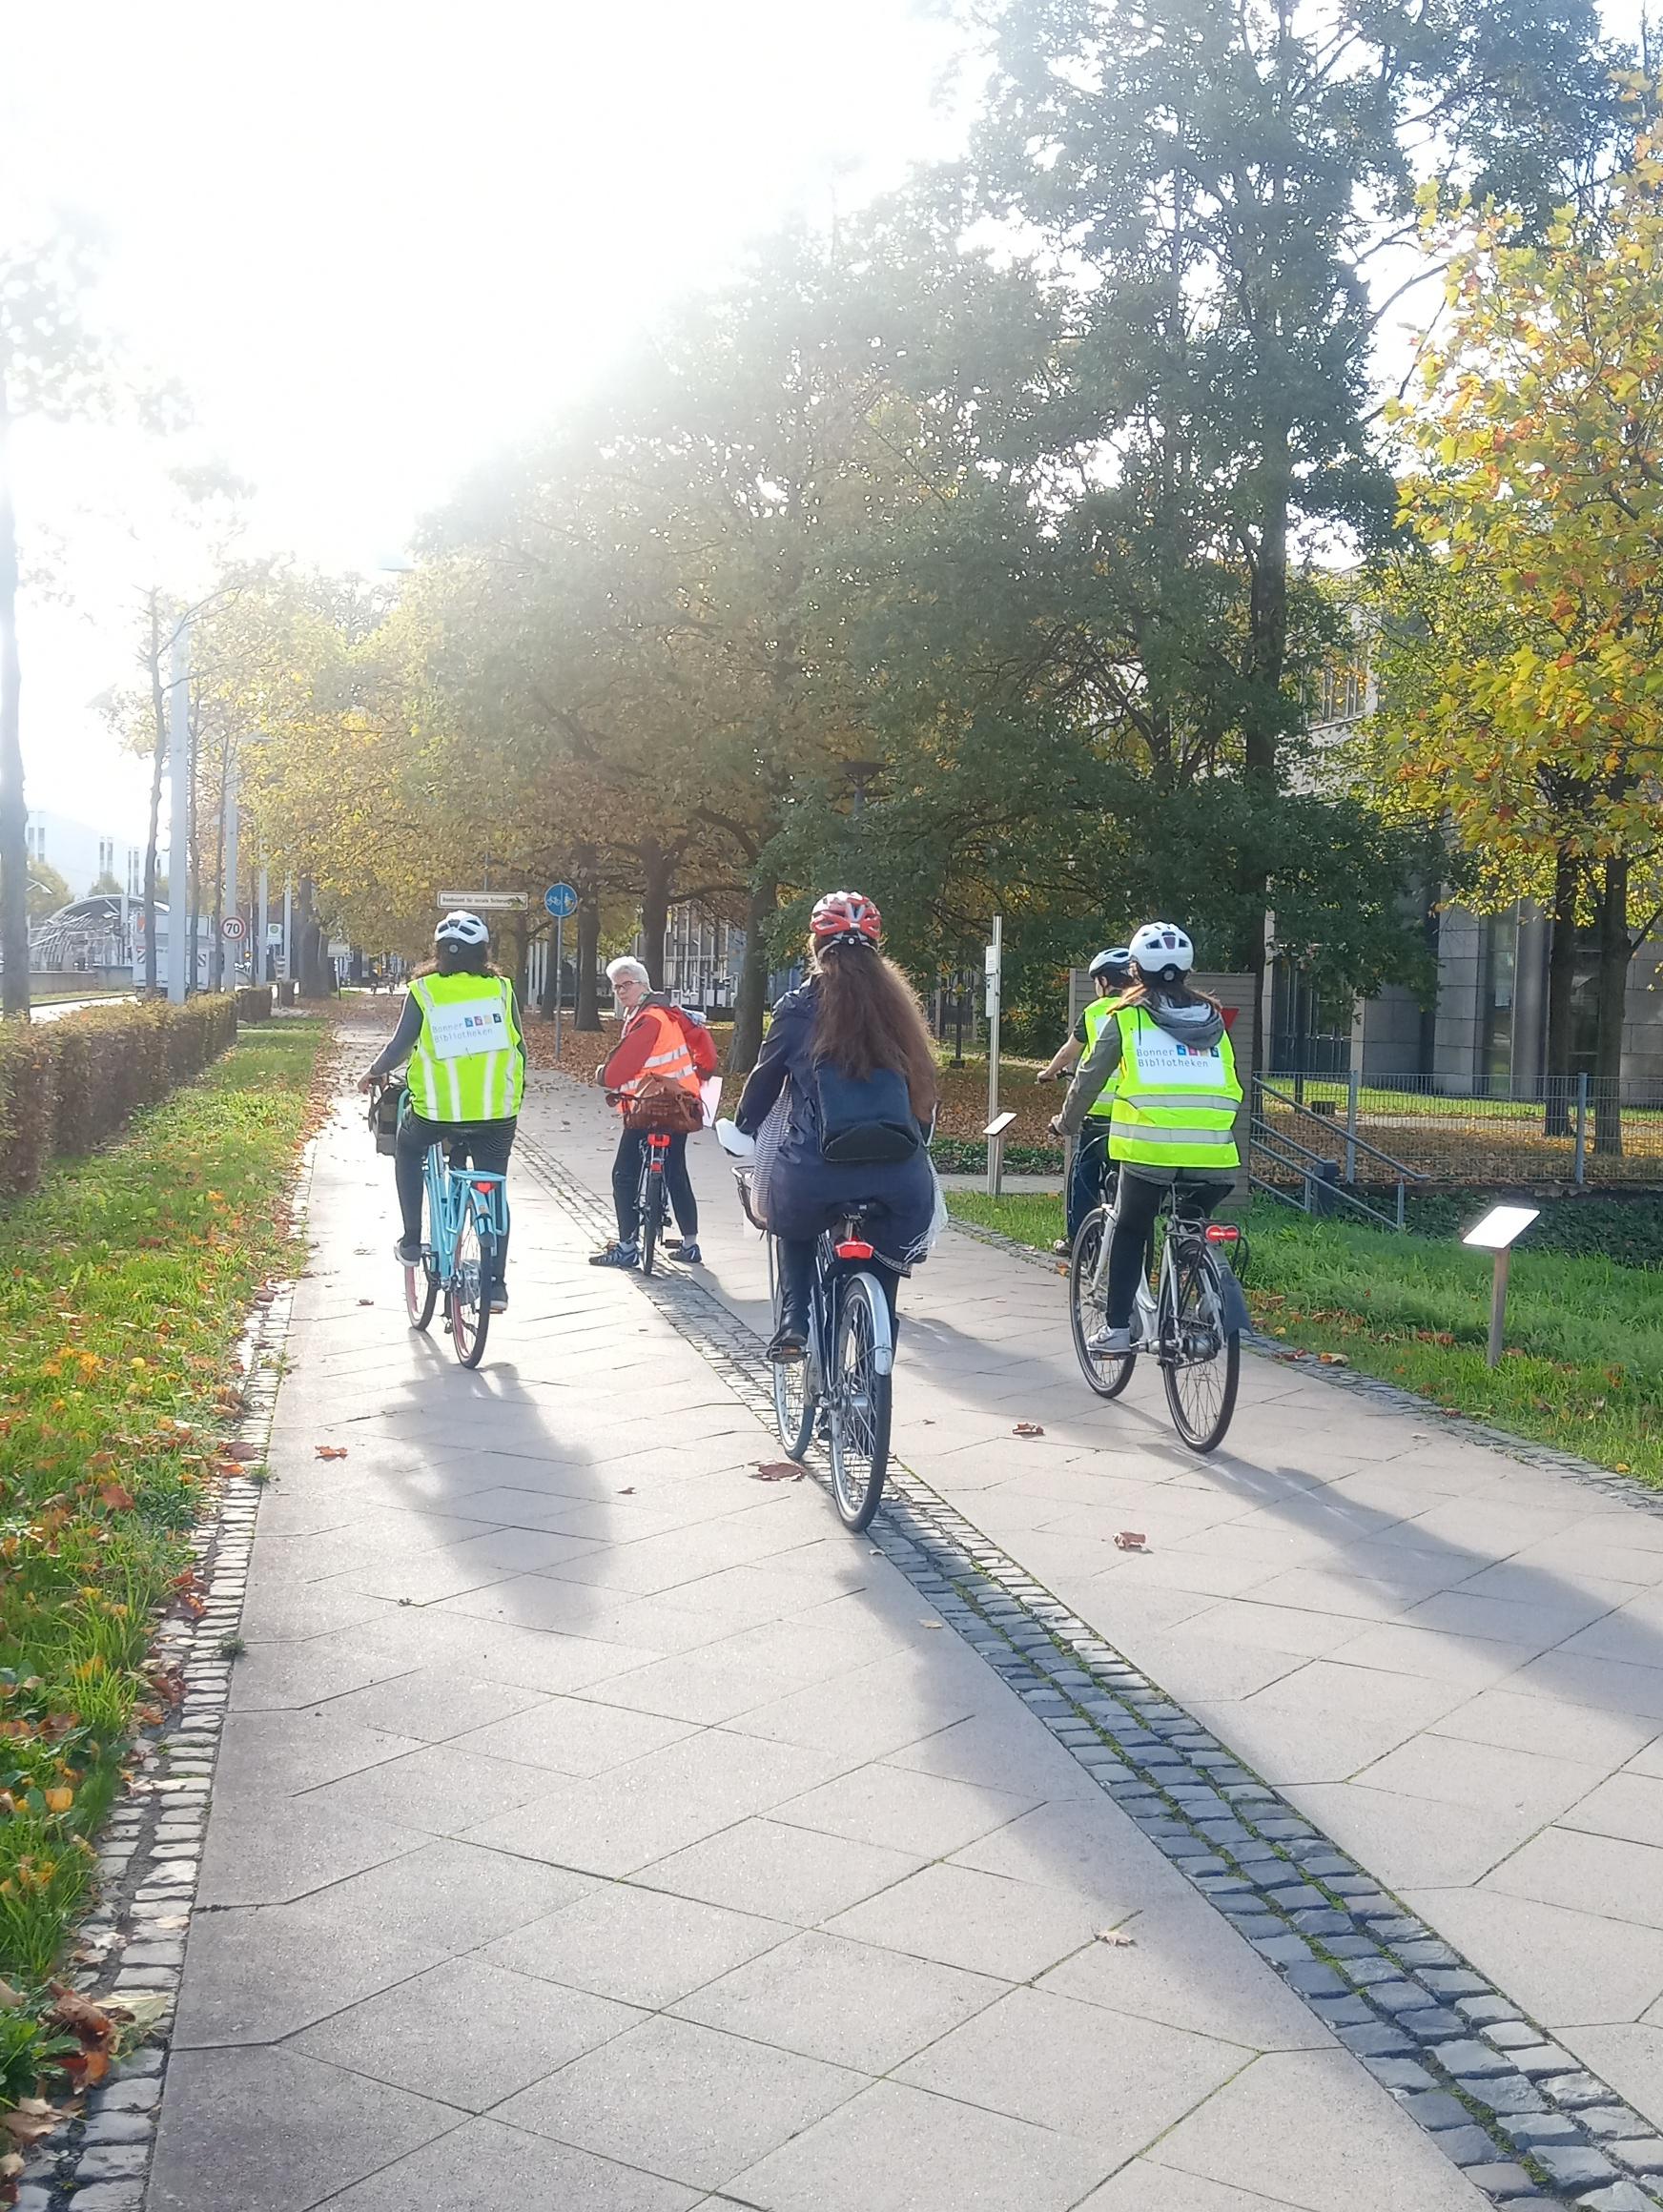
{"points": [[461, 1263]]}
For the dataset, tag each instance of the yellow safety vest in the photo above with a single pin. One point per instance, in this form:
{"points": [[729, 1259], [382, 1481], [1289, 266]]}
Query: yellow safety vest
{"points": [[1175, 1106], [468, 1064], [1102, 1106]]}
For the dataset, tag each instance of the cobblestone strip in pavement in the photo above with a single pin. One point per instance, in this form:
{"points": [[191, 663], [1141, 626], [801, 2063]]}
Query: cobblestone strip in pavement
{"points": [[1519, 2114], [151, 1849]]}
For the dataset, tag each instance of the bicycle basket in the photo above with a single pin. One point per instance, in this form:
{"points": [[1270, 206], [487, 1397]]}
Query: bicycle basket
{"points": [[383, 1117], [663, 1111]]}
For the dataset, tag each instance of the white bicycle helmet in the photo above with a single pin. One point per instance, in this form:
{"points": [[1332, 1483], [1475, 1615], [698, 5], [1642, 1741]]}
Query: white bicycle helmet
{"points": [[461, 927], [1158, 948]]}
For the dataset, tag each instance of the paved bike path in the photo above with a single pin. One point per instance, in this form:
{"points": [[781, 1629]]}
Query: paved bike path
{"points": [[1449, 1658], [597, 1825]]}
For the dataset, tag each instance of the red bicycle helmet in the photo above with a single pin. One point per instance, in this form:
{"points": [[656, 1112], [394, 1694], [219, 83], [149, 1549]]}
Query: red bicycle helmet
{"points": [[845, 915]]}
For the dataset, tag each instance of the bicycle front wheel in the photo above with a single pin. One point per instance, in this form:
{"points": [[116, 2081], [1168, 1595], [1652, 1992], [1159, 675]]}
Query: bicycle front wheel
{"points": [[1107, 1372], [421, 1293], [470, 1290], [652, 1217], [793, 1400], [858, 1401], [1201, 1358]]}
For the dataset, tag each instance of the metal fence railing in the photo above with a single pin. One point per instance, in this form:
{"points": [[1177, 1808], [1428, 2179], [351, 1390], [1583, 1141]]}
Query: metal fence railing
{"points": [[1566, 1129]]}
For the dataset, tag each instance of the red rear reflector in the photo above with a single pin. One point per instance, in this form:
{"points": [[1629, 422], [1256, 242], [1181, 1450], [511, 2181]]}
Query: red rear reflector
{"points": [[1223, 1233], [486, 1189], [853, 1250]]}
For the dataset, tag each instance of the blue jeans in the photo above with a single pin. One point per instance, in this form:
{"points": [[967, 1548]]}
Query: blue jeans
{"points": [[1085, 1186]]}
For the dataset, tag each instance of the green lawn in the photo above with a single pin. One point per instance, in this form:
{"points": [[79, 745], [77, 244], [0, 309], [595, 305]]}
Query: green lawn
{"points": [[125, 1282], [1583, 1365]]}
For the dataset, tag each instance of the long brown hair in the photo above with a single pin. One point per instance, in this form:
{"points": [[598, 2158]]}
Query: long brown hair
{"points": [[1181, 994], [867, 1017]]}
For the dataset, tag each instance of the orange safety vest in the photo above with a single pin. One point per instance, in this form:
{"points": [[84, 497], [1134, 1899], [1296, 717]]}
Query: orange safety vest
{"points": [[669, 1064]]}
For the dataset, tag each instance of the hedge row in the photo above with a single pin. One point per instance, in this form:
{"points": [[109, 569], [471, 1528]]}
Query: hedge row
{"points": [[69, 1086], [253, 1002]]}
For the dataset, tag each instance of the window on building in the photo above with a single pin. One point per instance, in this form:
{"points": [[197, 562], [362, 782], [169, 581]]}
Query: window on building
{"points": [[1501, 951]]}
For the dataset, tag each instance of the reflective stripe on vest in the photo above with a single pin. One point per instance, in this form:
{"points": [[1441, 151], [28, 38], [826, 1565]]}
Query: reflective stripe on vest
{"points": [[1175, 1106], [1102, 1106], [465, 1086], [673, 1061]]}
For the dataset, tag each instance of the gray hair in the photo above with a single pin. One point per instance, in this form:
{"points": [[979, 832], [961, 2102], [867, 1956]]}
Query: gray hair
{"points": [[632, 968]]}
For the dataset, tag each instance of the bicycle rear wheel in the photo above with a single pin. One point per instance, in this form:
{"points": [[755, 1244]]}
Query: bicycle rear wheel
{"points": [[421, 1293], [857, 1393], [794, 1403], [651, 1217], [470, 1289], [1201, 1359], [1107, 1372]]}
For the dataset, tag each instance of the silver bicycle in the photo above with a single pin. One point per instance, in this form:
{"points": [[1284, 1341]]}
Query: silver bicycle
{"points": [[1189, 1324]]}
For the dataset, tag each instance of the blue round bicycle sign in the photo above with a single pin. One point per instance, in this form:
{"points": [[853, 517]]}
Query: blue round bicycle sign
{"points": [[561, 900]]}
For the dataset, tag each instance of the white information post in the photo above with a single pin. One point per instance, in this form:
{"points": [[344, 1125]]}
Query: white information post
{"points": [[1499, 1231]]}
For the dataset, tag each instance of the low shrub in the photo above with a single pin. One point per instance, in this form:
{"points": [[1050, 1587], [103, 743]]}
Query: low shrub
{"points": [[287, 990], [253, 1002], [27, 1104], [69, 1086]]}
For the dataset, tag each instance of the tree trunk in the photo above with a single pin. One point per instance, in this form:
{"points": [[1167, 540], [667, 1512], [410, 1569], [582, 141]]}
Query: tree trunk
{"points": [[315, 979], [587, 1014], [751, 1000], [1615, 951], [14, 811], [1561, 980], [1264, 710], [657, 881], [158, 761]]}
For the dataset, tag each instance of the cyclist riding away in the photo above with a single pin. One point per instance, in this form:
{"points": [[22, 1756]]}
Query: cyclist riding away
{"points": [[1112, 974], [1175, 1100], [851, 1051], [654, 1069], [459, 1032]]}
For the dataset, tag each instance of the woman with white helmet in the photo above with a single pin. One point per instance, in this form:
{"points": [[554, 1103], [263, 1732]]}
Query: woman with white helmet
{"points": [[460, 1032], [1176, 1098]]}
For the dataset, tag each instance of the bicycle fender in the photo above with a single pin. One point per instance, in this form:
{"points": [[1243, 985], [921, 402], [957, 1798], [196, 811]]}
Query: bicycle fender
{"points": [[1232, 1298], [883, 1343]]}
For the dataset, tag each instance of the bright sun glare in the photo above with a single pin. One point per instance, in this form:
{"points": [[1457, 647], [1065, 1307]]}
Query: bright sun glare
{"points": [[373, 241]]}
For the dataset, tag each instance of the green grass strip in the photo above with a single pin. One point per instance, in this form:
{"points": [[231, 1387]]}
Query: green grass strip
{"points": [[125, 1282], [1583, 1368]]}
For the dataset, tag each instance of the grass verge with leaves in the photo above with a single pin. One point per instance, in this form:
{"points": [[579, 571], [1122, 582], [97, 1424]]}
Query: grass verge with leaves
{"points": [[125, 1282], [1583, 1369]]}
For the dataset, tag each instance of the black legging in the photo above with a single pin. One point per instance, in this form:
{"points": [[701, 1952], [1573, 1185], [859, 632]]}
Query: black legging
{"points": [[1135, 1211], [796, 1258], [485, 1145], [626, 1186]]}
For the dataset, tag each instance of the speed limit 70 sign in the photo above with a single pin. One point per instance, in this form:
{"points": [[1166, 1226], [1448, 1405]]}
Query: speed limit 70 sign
{"points": [[233, 927]]}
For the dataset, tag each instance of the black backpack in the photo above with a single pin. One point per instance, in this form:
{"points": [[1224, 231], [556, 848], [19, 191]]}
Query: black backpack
{"points": [[865, 1121]]}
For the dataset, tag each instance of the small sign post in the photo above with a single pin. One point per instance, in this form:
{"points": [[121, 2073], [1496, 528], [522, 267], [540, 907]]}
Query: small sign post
{"points": [[996, 1143], [1498, 1232], [559, 899]]}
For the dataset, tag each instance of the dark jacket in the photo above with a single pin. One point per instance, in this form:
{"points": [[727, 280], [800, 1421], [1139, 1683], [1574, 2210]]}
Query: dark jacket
{"points": [[806, 1192]]}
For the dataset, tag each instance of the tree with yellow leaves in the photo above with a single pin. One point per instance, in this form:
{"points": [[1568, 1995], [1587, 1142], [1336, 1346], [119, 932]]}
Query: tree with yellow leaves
{"points": [[1522, 656]]}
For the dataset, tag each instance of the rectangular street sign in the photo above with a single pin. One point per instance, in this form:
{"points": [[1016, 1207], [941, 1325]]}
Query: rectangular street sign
{"points": [[485, 902]]}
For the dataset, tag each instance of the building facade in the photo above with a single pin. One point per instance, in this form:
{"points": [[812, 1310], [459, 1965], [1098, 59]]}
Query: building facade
{"points": [[1484, 1034]]}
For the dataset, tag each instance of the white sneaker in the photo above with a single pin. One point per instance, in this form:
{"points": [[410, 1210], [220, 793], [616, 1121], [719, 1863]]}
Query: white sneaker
{"points": [[1110, 1343]]}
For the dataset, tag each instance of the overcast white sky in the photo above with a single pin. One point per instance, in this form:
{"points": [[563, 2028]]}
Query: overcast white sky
{"points": [[375, 237]]}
